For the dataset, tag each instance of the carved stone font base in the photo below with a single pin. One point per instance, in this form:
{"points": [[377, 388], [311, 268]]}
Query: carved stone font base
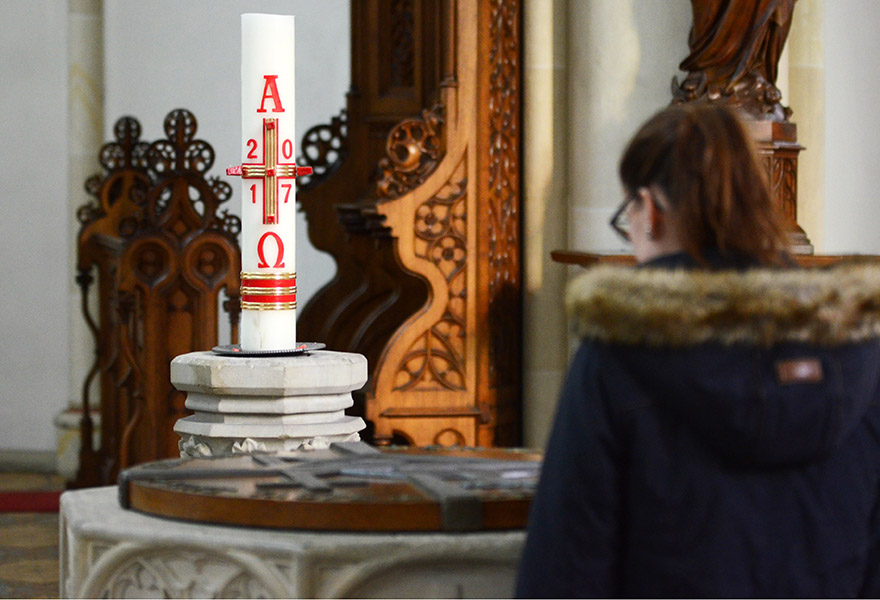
{"points": [[109, 552], [267, 404]]}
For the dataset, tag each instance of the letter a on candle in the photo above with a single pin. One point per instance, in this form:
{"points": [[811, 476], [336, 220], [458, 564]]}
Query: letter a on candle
{"points": [[270, 90]]}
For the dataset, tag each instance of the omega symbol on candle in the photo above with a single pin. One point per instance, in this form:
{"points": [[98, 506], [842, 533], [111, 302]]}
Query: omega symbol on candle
{"points": [[279, 257]]}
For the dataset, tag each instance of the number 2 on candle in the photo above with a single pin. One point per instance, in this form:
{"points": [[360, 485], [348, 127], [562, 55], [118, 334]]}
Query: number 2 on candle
{"points": [[252, 144]]}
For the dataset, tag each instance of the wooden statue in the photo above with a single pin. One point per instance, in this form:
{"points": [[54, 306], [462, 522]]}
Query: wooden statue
{"points": [[735, 47], [734, 54], [163, 251]]}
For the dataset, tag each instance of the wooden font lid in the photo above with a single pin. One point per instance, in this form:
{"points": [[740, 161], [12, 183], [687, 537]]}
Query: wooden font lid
{"points": [[347, 487]]}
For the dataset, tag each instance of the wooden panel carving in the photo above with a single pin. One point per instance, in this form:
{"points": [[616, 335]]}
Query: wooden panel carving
{"points": [[324, 147], [437, 358], [783, 181], [163, 251], [502, 191], [397, 70], [414, 149]]}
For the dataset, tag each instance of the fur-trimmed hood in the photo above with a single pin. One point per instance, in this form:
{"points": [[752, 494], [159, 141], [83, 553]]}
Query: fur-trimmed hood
{"points": [[681, 307], [768, 366]]}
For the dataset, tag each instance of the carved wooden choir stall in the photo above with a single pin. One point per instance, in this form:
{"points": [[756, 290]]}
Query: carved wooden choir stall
{"points": [[162, 252], [416, 195]]}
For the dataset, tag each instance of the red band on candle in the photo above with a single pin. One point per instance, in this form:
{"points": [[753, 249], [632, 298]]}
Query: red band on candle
{"points": [[268, 283], [261, 299]]}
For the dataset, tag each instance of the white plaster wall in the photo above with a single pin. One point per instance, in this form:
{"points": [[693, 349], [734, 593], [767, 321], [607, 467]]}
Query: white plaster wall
{"points": [[167, 54], [622, 56], [545, 120], [805, 94], [34, 241], [852, 127], [612, 61]]}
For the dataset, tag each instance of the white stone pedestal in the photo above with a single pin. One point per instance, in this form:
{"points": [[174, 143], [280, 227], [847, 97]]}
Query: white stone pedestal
{"points": [[68, 443], [274, 403], [109, 552]]}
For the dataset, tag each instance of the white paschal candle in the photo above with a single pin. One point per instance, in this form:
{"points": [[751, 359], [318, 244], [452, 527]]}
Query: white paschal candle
{"points": [[268, 231]]}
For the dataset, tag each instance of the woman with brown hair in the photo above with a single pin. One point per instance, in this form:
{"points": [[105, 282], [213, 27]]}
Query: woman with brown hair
{"points": [[718, 433]]}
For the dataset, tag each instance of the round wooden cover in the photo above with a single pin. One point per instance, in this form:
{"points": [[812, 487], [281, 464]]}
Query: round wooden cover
{"points": [[347, 487]]}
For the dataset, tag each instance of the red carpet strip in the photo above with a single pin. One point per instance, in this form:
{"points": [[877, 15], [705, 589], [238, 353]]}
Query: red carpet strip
{"points": [[38, 501]]}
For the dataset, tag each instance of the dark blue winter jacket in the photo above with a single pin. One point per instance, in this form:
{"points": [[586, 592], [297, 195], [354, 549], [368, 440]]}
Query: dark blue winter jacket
{"points": [[718, 435]]}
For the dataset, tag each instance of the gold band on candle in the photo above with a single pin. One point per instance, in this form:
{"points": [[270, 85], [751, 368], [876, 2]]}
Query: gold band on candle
{"points": [[273, 291], [268, 305], [262, 275]]}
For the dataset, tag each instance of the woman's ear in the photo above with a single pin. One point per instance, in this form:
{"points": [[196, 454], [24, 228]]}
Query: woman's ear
{"points": [[655, 217]]}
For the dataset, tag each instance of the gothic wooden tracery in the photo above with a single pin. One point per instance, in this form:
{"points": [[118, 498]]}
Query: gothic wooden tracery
{"points": [[164, 251], [437, 359]]}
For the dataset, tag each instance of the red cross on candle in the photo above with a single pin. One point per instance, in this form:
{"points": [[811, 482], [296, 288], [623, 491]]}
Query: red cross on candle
{"points": [[270, 171]]}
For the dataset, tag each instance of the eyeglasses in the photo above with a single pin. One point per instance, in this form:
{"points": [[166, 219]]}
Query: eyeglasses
{"points": [[620, 222]]}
